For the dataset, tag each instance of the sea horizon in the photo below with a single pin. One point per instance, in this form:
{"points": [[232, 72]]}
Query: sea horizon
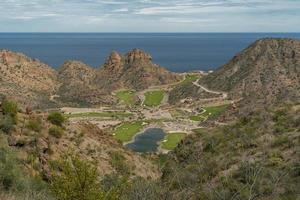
{"points": [[178, 52]]}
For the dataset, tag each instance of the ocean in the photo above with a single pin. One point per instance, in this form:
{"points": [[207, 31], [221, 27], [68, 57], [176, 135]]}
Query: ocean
{"points": [[176, 51]]}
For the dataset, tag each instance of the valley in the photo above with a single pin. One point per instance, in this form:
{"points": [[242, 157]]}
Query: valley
{"points": [[130, 129], [138, 111]]}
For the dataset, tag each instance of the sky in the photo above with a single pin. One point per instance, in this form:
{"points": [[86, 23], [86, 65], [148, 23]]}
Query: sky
{"points": [[149, 15]]}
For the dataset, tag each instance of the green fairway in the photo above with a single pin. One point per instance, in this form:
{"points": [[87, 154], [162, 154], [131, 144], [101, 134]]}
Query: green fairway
{"points": [[197, 118], [127, 96], [190, 78], [213, 111], [99, 114], [128, 130], [172, 140], [153, 98]]}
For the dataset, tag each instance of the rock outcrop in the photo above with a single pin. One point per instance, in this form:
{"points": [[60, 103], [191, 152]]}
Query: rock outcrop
{"points": [[134, 70], [114, 61], [137, 56]]}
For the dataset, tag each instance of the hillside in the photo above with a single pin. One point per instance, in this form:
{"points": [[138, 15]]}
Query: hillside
{"points": [[42, 138], [31, 82], [78, 85], [254, 158], [266, 72], [26, 80]]}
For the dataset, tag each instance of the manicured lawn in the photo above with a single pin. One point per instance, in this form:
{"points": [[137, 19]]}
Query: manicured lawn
{"points": [[99, 114], [128, 130], [197, 118], [190, 78], [153, 98], [127, 96], [213, 111], [172, 140]]}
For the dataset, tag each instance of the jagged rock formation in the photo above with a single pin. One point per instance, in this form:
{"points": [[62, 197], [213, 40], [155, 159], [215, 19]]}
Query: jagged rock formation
{"points": [[135, 70], [29, 80], [266, 72], [25, 79]]}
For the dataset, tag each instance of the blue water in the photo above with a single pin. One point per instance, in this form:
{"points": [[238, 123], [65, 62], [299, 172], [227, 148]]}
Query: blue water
{"points": [[147, 141], [175, 51]]}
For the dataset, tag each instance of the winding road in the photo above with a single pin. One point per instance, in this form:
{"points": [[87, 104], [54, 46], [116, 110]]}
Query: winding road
{"points": [[224, 94]]}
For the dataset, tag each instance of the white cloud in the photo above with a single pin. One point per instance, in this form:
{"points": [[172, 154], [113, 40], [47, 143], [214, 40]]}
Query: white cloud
{"points": [[154, 15]]}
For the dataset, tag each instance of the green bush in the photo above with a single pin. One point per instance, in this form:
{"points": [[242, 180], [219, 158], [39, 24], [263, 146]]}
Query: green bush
{"points": [[75, 179], [7, 124], [10, 174], [118, 161], [9, 107], [13, 180], [56, 118], [35, 125], [10, 111], [56, 131]]}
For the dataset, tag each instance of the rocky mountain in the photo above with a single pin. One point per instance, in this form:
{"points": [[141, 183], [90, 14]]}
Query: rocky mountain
{"points": [[265, 72], [25, 79], [32, 82], [134, 70]]}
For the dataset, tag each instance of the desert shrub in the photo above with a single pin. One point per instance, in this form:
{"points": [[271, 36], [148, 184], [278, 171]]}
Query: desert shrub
{"points": [[296, 122], [56, 118], [114, 186], [141, 189], [10, 108], [56, 131], [15, 182], [10, 173], [119, 163], [7, 124], [35, 125], [75, 179], [282, 140], [10, 111]]}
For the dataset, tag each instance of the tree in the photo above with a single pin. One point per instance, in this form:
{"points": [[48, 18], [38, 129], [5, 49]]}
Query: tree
{"points": [[76, 179]]}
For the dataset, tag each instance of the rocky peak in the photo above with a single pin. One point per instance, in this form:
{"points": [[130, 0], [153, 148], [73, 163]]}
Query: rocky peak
{"points": [[137, 56], [113, 59], [114, 62]]}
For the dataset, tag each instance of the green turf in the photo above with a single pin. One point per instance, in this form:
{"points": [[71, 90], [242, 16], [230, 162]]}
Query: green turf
{"points": [[127, 96], [100, 114], [190, 78], [153, 98], [172, 140], [197, 118], [213, 111], [128, 130]]}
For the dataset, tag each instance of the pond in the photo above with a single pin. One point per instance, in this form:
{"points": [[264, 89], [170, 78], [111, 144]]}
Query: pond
{"points": [[147, 141]]}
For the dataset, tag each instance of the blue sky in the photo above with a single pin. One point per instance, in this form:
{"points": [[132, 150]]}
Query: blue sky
{"points": [[149, 15]]}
